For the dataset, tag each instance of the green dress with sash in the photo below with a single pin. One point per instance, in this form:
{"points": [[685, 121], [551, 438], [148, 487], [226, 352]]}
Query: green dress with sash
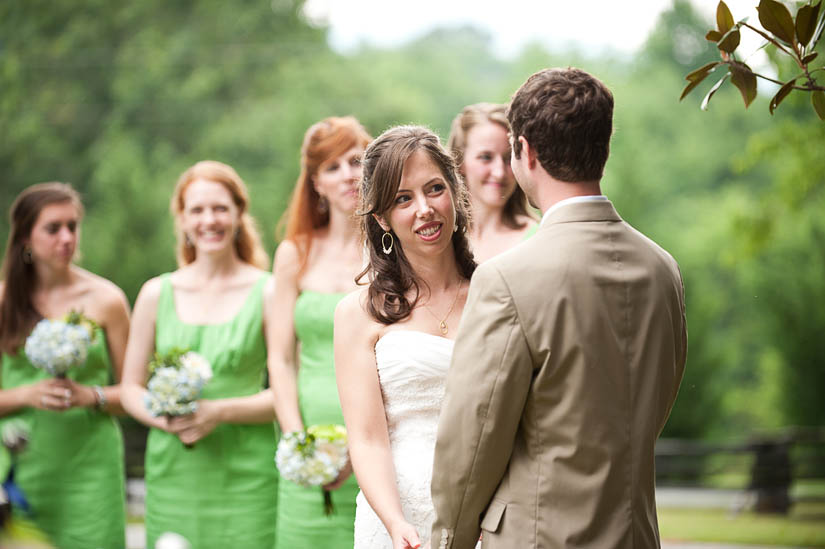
{"points": [[72, 471], [302, 523], [222, 492]]}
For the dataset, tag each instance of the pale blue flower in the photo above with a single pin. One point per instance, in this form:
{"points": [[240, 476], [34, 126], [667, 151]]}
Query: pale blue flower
{"points": [[313, 457], [55, 346]]}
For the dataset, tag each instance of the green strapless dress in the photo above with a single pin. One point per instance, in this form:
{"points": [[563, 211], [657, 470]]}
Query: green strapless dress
{"points": [[223, 492], [72, 471], [301, 519]]}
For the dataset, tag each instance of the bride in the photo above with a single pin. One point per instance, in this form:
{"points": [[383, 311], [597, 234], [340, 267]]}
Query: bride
{"points": [[393, 339]]}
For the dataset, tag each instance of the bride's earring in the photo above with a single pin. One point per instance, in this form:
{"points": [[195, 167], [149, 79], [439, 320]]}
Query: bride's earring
{"points": [[387, 248]]}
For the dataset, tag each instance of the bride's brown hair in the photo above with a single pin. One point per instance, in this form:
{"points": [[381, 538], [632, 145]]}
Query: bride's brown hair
{"points": [[391, 277]]}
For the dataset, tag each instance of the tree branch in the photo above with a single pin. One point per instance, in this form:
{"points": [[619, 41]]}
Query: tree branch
{"points": [[774, 42]]}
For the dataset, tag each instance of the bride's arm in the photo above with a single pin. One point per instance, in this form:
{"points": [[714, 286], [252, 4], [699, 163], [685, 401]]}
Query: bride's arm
{"points": [[363, 408]]}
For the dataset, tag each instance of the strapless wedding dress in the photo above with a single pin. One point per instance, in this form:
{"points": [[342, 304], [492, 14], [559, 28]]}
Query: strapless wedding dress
{"points": [[412, 367]]}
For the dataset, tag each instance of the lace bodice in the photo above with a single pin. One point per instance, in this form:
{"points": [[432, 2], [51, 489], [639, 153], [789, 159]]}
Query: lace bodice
{"points": [[412, 367]]}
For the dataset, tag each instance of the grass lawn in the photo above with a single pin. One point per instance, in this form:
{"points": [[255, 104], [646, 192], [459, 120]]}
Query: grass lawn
{"points": [[804, 526]]}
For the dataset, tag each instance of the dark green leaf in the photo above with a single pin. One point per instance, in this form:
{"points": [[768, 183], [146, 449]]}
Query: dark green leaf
{"points": [[743, 78], [810, 57], [724, 18], [781, 94], [776, 18], [818, 101], [730, 42], [697, 76], [706, 100], [713, 36], [703, 71], [806, 23]]}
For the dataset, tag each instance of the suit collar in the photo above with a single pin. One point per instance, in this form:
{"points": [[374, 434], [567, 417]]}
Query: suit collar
{"points": [[583, 211]]}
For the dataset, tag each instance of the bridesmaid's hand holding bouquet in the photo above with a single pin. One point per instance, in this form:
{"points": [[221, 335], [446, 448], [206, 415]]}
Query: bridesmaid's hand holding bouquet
{"points": [[176, 381], [314, 457]]}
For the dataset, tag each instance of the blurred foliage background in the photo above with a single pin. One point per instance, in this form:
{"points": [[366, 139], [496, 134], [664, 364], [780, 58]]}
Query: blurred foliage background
{"points": [[120, 98]]}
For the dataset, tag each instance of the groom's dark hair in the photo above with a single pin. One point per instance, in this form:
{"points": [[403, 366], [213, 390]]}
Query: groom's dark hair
{"points": [[566, 115]]}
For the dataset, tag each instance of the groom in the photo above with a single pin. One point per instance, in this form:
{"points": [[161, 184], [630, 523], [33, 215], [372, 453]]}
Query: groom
{"points": [[569, 355]]}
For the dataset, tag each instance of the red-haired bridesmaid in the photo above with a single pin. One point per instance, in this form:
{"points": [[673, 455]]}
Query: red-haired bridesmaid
{"points": [[315, 267]]}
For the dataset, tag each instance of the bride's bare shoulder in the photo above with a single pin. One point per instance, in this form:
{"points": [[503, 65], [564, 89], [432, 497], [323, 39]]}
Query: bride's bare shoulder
{"points": [[352, 317], [352, 308]]}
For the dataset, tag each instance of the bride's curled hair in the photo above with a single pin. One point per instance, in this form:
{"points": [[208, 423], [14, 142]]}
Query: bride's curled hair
{"points": [[394, 288]]}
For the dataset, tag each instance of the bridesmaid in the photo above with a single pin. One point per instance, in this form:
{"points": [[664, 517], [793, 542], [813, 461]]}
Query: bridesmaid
{"points": [[480, 144], [315, 267], [72, 470], [222, 492]]}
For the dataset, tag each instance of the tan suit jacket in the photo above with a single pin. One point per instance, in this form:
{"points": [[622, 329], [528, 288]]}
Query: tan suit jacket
{"points": [[566, 365]]}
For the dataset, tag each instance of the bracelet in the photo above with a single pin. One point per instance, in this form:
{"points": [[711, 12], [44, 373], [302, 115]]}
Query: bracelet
{"points": [[100, 397]]}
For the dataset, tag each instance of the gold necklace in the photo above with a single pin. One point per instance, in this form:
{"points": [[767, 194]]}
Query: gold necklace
{"points": [[442, 324]]}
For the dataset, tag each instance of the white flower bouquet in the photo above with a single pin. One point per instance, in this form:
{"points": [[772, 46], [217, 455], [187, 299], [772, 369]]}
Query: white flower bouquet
{"points": [[313, 457], [176, 382], [58, 345]]}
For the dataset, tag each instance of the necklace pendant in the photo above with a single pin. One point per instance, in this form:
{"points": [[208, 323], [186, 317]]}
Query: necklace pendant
{"points": [[443, 327]]}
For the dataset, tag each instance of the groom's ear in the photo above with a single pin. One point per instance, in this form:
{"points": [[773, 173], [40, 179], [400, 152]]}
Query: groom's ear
{"points": [[380, 220], [526, 149]]}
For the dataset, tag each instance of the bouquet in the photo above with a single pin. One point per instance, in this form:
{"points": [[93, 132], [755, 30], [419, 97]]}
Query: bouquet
{"points": [[313, 457], [14, 436], [177, 379], [58, 345]]}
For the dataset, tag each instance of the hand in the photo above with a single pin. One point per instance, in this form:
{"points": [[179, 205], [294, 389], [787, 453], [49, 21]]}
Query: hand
{"points": [[79, 395], [50, 394], [342, 477], [404, 536], [193, 427]]}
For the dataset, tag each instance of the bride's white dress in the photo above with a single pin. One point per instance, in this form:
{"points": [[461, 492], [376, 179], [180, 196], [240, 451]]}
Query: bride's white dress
{"points": [[412, 367]]}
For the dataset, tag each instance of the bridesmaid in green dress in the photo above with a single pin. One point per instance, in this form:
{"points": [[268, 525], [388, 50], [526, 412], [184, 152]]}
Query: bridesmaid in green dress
{"points": [[222, 492], [480, 144], [315, 267], [72, 470]]}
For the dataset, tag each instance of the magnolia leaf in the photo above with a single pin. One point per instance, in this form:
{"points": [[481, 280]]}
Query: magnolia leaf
{"points": [[819, 28], [703, 71], [776, 18], [713, 36], [724, 18], [743, 78], [730, 42], [810, 57], [806, 19], [781, 94], [697, 76], [706, 100], [818, 101]]}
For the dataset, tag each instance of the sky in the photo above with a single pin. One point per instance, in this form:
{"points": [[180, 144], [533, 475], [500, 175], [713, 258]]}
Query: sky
{"points": [[590, 25]]}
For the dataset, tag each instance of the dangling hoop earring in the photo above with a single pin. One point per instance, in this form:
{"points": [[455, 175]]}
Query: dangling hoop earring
{"points": [[27, 256], [323, 205], [387, 249]]}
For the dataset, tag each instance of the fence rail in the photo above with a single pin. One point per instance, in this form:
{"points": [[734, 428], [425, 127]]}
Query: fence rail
{"points": [[771, 462]]}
